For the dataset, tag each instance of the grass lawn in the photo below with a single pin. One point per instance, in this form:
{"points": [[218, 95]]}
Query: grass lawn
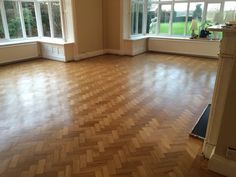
{"points": [[177, 28]]}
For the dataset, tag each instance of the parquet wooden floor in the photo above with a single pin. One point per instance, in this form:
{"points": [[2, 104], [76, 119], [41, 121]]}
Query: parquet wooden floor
{"points": [[109, 116]]}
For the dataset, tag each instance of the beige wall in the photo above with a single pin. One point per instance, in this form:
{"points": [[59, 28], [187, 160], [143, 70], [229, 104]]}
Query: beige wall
{"points": [[89, 25], [227, 137], [97, 25], [111, 24]]}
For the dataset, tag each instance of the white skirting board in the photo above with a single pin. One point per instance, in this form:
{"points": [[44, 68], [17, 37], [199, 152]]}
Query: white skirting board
{"points": [[185, 46], [18, 52], [89, 55], [98, 53], [222, 166]]}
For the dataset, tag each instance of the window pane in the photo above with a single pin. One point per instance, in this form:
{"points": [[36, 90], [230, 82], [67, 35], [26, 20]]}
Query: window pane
{"points": [[179, 18], [45, 19], [213, 14], [140, 18], [133, 18], [137, 18], [165, 19], [196, 13], [56, 19], [152, 19], [1, 27], [13, 19], [30, 19], [229, 11]]}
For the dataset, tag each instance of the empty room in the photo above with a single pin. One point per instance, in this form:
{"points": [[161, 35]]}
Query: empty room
{"points": [[117, 88]]}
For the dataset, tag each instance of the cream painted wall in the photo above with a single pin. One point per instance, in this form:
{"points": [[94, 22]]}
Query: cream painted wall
{"points": [[89, 25], [111, 24], [18, 52]]}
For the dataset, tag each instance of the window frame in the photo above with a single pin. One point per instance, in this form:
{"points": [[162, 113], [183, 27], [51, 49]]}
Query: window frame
{"points": [[38, 20], [172, 3]]}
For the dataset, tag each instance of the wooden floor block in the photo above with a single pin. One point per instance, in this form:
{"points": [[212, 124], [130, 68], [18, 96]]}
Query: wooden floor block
{"points": [[109, 116]]}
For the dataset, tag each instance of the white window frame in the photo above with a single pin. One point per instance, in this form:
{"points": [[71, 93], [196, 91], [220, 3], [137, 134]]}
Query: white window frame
{"points": [[172, 3], [38, 20]]}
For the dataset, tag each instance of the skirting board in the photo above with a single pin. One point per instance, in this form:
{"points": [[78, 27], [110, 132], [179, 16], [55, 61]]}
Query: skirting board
{"points": [[98, 53], [89, 55], [222, 166], [113, 51]]}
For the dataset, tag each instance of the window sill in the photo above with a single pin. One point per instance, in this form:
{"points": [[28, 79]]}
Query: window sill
{"points": [[140, 37], [34, 40]]}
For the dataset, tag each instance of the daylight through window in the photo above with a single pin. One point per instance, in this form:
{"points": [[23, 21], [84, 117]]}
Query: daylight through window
{"points": [[175, 17], [22, 19]]}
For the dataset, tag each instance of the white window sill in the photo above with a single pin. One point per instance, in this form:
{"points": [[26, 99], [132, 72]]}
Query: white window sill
{"points": [[33, 40], [140, 37]]}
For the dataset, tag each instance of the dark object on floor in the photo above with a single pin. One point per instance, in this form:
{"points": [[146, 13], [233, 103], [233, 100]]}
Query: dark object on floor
{"points": [[199, 130]]}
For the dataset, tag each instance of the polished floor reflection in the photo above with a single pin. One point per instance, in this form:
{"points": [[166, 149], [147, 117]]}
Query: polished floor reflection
{"points": [[109, 116]]}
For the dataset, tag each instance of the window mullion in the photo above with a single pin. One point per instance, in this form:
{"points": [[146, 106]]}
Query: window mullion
{"points": [[144, 31], [186, 20], [51, 19], [171, 18], [158, 18], [204, 13], [222, 6], [4, 20], [137, 18], [22, 19], [38, 19], [62, 19]]}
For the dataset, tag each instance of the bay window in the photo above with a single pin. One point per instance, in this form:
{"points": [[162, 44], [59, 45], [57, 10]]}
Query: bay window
{"points": [[175, 17], [23, 19]]}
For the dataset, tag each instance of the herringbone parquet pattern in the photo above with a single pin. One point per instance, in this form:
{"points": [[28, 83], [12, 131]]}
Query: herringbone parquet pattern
{"points": [[109, 116]]}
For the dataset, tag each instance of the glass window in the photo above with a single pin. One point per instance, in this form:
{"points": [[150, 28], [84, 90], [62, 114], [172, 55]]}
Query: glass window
{"points": [[179, 18], [229, 11], [2, 35], [140, 18], [195, 13], [56, 19], [214, 15], [137, 17], [152, 20], [165, 13], [133, 18], [13, 19], [30, 19], [45, 19]]}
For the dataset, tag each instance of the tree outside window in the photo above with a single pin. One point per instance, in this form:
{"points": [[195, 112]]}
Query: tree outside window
{"points": [[13, 19], [30, 19]]}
